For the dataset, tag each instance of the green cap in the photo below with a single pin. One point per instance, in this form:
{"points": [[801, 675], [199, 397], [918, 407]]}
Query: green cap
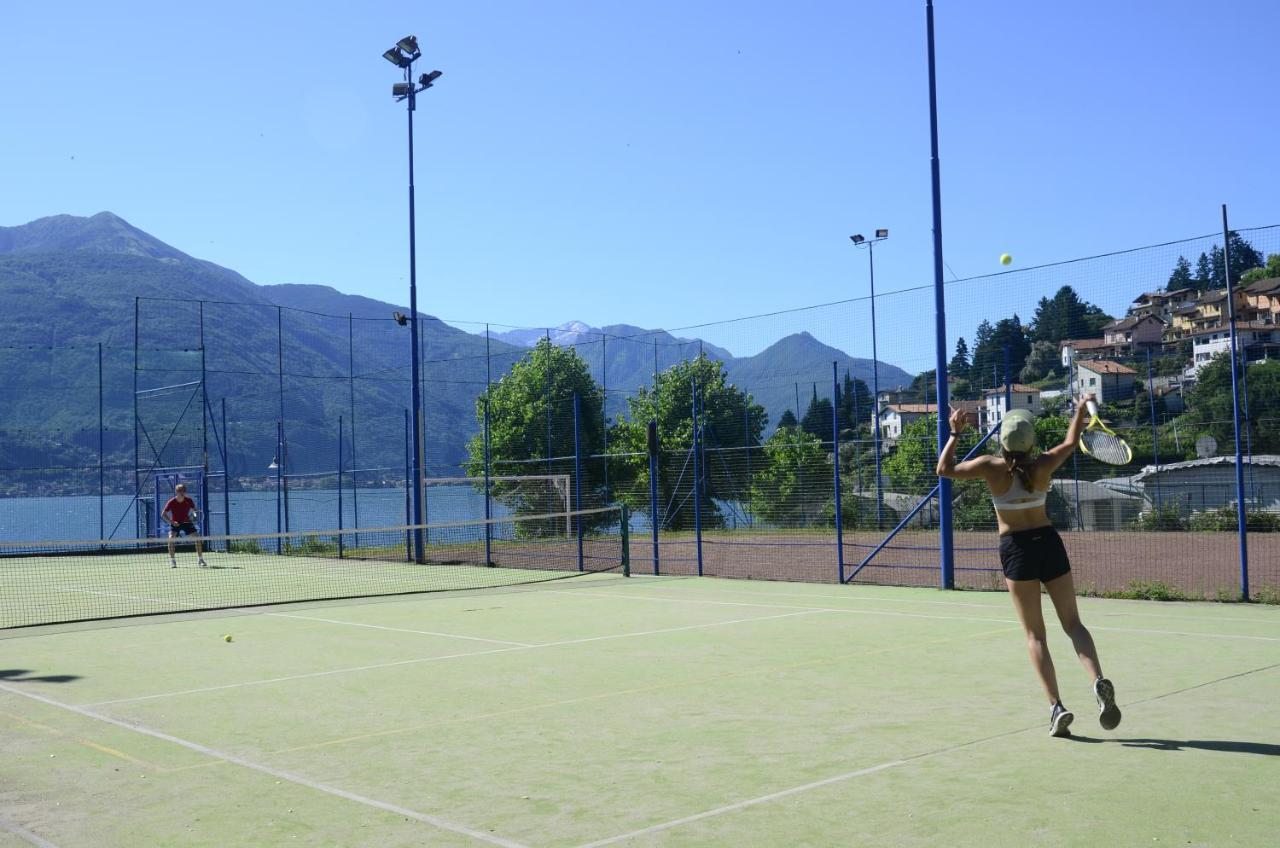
{"points": [[1018, 431]]}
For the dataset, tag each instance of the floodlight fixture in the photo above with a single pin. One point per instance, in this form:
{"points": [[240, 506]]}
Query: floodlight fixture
{"points": [[882, 234], [857, 239], [395, 57], [401, 89], [409, 44], [427, 79]]}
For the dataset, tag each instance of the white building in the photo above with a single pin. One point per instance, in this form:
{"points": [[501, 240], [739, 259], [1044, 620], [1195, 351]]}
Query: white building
{"points": [[1258, 340], [1110, 381], [1020, 397]]}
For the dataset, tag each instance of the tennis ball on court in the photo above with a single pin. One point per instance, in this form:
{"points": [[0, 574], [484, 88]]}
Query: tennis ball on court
{"points": [[1005, 259], [226, 638]]}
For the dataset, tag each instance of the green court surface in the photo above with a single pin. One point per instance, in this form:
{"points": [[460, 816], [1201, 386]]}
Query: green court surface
{"points": [[643, 712]]}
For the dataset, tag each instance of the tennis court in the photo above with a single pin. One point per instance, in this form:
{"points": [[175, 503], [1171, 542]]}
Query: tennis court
{"points": [[605, 710]]}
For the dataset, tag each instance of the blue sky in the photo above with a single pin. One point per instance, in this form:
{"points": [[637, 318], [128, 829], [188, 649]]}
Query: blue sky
{"points": [[661, 164]]}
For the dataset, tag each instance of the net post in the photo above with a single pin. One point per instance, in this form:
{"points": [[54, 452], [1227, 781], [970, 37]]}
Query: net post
{"points": [[625, 518], [835, 456]]}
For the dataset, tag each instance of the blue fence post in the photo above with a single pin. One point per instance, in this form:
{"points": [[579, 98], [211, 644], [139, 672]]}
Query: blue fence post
{"points": [[226, 473], [1155, 431], [577, 474], [341, 435], [1241, 514], [835, 455], [279, 463], [697, 477], [408, 487], [654, 518], [946, 550], [488, 503], [102, 477]]}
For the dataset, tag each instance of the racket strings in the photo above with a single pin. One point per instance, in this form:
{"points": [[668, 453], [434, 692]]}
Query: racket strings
{"points": [[1105, 447]]}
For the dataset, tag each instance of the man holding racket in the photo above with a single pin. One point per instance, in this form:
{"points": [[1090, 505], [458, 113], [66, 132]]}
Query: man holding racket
{"points": [[180, 512], [1031, 552]]}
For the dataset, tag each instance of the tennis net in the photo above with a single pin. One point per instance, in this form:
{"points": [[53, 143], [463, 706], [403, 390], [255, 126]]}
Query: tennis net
{"points": [[55, 582]]}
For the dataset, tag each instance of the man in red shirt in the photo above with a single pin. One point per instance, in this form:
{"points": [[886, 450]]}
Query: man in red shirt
{"points": [[181, 513]]}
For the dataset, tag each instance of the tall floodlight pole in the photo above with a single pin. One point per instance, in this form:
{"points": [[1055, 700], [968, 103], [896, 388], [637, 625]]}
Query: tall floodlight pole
{"points": [[946, 553], [861, 241], [403, 55]]}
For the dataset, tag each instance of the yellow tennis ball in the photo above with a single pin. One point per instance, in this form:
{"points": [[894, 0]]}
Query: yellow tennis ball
{"points": [[1005, 259], [227, 638]]}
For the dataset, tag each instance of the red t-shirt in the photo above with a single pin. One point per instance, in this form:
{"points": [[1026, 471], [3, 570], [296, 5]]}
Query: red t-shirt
{"points": [[180, 510]]}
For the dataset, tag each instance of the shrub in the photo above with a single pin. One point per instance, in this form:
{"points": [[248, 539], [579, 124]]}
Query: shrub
{"points": [[1225, 520], [1162, 518]]}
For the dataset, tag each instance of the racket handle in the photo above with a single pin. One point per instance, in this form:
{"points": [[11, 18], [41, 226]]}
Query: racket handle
{"points": [[1092, 407]]}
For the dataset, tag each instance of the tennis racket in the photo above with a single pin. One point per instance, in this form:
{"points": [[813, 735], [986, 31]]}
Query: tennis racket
{"points": [[1100, 441]]}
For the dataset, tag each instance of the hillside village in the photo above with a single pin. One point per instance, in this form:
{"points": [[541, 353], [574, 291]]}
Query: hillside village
{"points": [[1183, 330]]}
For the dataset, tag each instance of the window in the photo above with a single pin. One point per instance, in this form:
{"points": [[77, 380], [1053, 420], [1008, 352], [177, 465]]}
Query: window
{"points": [[1030, 399], [1093, 381]]}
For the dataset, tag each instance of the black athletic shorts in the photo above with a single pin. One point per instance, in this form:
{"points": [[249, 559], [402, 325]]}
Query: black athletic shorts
{"points": [[185, 527], [1033, 555]]}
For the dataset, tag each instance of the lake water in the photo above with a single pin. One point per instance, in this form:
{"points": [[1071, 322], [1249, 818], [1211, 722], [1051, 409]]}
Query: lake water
{"points": [[77, 517]]}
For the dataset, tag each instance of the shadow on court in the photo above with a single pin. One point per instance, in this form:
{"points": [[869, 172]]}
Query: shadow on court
{"points": [[1265, 749], [20, 675]]}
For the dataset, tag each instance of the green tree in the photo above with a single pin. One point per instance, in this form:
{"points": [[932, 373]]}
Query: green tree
{"points": [[795, 487], [1181, 277], [924, 387], [542, 383], [958, 367], [787, 419], [988, 356], [817, 418], [724, 411], [1243, 257], [1043, 361], [1209, 404], [854, 405], [1204, 274], [1066, 316], [1268, 272], [910, 468]]}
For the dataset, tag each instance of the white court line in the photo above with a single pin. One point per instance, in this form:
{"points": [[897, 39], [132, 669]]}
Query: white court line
{"points": [[742, 805], [402, 629], [23, 833], [992, 606], [298, 779], [895, 614], [420, 660]]}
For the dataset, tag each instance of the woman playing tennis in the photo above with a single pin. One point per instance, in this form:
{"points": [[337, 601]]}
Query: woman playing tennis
{"points": [[1031, 552]]}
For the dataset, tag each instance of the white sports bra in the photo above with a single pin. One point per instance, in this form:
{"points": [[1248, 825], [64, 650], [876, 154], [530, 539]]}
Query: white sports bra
{"points": [[1017, 497]]}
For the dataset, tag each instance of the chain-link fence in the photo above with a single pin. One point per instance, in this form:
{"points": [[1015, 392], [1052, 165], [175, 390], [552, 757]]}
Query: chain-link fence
{"points": [[767, 447]]}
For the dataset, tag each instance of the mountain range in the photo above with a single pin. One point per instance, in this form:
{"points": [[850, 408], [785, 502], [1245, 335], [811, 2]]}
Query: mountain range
{"points": [[304, 353]]}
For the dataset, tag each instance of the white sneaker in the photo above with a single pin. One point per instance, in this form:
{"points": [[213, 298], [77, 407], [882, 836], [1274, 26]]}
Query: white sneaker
{"points": [[203, 564], [173, 563], [1108, 712]]}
